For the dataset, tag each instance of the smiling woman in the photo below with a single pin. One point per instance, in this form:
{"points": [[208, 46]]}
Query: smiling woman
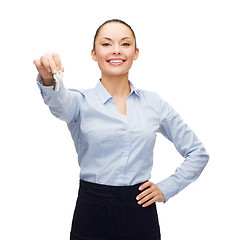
{"points": [[114, 128], [115, 50]]}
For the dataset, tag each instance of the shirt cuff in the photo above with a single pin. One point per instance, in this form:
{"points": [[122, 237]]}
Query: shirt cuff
{"points": [[168, 188], [44, 90], [40, 81]]}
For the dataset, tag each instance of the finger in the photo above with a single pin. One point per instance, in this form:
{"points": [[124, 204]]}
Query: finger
{"points": [[153, 200], [57, 60], [144, 185], [144, 193], [146, 198], [52, 64], [37, 63], [45, 63]]}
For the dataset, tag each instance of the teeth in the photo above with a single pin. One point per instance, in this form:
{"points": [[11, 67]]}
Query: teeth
{"points": [[116, 61]]}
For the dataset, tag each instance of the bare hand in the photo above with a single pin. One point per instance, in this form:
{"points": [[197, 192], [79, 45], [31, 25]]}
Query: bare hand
{"points": [[152, 193], [48, 65]]}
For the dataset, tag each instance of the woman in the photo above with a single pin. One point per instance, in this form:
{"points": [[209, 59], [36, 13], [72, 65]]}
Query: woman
{"points": [[114, 127]]}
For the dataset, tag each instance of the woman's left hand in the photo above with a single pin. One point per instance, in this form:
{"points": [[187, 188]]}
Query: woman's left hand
{"points": [[152, 193]]}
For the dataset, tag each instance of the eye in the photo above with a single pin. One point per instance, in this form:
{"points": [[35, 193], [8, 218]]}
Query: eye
{"points": [[105, 44], [126, 44]]}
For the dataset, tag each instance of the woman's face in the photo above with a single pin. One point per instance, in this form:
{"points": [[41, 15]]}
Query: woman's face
{"points": [[115, 49]]}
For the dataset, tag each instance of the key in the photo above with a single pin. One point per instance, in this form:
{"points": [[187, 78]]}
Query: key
{"points": [[58, 79]]}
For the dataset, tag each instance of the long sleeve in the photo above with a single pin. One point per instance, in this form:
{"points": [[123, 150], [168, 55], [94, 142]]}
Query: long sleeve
{"points": [[187, 144], [64, 104]]}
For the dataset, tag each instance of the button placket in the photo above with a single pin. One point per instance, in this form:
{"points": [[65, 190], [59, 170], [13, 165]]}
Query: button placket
{"points": [[127, 137]]}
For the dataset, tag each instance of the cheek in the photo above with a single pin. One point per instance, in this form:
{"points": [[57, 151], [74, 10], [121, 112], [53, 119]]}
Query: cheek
{"points": [[130, 55], [102, 55], [101, 59], [130, 59]]}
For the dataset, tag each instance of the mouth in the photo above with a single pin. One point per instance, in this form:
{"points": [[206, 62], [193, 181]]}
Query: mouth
{"points": [[116, 61]]}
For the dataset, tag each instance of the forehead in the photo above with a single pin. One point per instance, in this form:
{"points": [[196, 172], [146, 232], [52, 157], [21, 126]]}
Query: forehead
{"points": [[114, 31]]}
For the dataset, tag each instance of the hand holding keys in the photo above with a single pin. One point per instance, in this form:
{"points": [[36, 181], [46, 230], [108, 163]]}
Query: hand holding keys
{"points": [[50, 69]]}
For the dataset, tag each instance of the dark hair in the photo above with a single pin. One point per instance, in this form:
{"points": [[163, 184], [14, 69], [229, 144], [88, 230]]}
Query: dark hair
{"points": [[109, 21]]}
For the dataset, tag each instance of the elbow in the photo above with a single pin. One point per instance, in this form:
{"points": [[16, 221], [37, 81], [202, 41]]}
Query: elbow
{"points": [[199, 158], [205, 156]]}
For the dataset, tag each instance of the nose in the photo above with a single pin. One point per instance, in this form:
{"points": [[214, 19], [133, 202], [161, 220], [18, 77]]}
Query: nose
{"points": [[116, 49]]}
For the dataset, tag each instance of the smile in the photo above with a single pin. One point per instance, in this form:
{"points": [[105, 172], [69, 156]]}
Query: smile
{"points": [[116, 62]]}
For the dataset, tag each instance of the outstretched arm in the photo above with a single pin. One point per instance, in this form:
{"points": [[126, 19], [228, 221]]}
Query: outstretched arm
{"points": [[65, 104]]}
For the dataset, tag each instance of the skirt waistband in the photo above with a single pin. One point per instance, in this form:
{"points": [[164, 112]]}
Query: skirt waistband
{"points": [[109, 191], [109, 186]]}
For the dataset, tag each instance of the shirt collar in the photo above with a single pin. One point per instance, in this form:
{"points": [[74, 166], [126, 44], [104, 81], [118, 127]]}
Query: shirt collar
{"points": [[105, 95]]}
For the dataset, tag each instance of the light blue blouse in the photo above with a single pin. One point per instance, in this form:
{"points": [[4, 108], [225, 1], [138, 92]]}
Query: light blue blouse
{"points": [[115, 149]]}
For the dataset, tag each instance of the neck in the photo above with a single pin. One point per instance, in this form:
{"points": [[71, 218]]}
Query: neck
{"points": [[117, 86]]}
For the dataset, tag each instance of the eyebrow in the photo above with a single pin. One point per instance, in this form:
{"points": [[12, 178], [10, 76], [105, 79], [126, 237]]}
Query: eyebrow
{"points": [[111, 39]]}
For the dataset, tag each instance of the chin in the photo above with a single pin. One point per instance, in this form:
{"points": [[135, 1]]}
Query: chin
{"points": [[115, 73]]}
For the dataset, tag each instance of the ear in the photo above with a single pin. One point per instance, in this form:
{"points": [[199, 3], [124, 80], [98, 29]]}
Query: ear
{"points": [[136, 54], [93, 54]]}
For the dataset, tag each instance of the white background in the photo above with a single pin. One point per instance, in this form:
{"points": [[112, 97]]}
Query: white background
{"points": [[186, 55]]}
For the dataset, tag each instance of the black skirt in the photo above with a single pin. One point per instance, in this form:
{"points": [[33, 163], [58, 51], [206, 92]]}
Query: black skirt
{"points": [[111, 212]]}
